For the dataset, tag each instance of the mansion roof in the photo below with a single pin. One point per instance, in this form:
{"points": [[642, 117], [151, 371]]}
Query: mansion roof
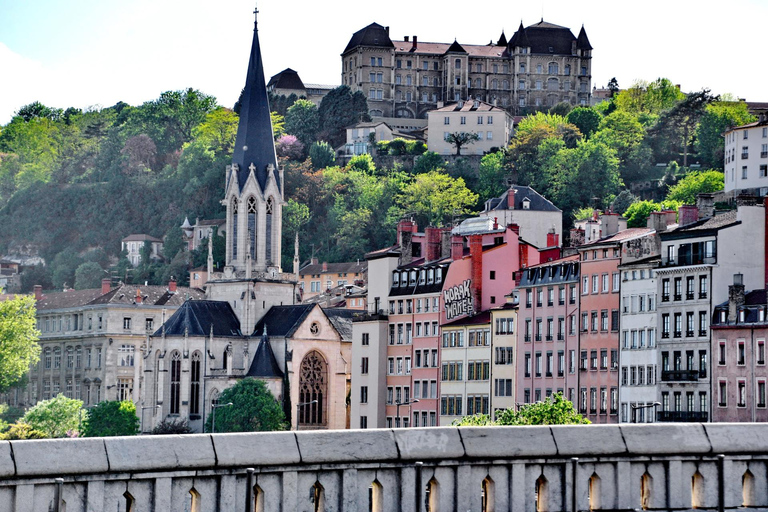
{"points": [[124, 294]]}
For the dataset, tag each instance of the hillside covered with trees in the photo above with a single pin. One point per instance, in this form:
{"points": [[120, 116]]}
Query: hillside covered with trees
{"points": [[73, 183]]}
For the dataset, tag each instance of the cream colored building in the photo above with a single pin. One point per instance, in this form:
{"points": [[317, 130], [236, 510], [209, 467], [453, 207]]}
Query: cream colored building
{"points": [[503, 366], [541, 65], [492, 125], [746, 159], [133, 244]]}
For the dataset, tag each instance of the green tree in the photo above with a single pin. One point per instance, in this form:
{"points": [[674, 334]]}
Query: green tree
{"points": [[491, 176], [171, 427], [21, 431], [623, 201], [278, 124], [435, 197], [89, 275], [638, 212], [613, 86], [341, 108], [111, 418], [428, 161], [38, 110], [322, 155], [719, 117], [253, 409], [64, 266], [303, 121], [695, 183], [674, 130], [173, 243], [586, 119], [18, 339], [397, 147], [55, 417], [217, 132], [461, 139], [554, 410], [363, 163]]}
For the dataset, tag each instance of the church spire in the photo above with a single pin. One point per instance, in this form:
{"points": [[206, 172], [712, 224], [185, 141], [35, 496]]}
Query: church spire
{"points": [[254, 145]]}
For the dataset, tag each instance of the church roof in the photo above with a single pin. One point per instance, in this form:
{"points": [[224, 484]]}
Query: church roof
{"points": [[264, 363], [196, 317], [372, 35], [341, 319], [254, 143], [283, 321]]}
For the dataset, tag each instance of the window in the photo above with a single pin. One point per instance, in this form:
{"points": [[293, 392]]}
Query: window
{"points": [[126, 323], [760, 352], [722, 393], [721, 352], [760, 393], [125, 354]]}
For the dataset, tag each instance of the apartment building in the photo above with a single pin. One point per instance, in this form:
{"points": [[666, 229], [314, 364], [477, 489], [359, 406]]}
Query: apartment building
{"points": [[746, 158], [547, 341], [503, 344], [491, 124]]}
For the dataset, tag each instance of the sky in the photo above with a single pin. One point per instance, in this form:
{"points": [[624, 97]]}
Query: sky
{"points": [[94, 53]]}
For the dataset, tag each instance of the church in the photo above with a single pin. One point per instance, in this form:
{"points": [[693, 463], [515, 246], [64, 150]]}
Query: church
{"points": [[250, 323]]}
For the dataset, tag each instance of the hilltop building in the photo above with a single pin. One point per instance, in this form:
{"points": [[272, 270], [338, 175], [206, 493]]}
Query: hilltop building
{"points": [[746, 158], [133, 245], [539, 66], [492, 125]]}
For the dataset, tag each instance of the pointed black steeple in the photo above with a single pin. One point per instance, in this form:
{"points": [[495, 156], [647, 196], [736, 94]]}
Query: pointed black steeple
{"points": [[582, 42], [502, 40], [255, 143], [264, 363], [455, 48]]}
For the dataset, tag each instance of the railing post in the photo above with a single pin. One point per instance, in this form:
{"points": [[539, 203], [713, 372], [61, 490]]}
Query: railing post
{"points": [[249, 490], [417, 494], [574, 468], [721, 483], [57, 495]]}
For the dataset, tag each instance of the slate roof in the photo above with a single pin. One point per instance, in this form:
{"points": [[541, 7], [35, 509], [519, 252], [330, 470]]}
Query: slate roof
{"points": [[538, 202], [335, 268], [469, 106], [393, 250], [752, 302], [720, 221], [478, 319], [418, 289], [624, 234], [439, 49], [542, 36], [372, 35], [124, 294], [502, 40], [455, 48], [141, 238], [211, 222], [254, 143], [195, 318], [342, 321], [582, 42], [264, 363], [286, 79], [283, 321], [565, 270]]}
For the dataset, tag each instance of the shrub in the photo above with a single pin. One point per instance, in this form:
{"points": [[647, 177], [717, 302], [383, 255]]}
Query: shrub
{"points": [[167, 427]]}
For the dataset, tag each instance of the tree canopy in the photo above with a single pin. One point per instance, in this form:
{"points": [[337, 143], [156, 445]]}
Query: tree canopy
{"points": [[55, 417], [554, 410], [18, 339], [253, 409], [694, 183], [111, 418]]}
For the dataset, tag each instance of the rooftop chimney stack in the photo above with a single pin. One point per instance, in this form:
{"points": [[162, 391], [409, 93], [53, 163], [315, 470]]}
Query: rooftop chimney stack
{"points": [[687, 214], [433, 236], [38, 292], [736, 297], [476, 256], [106, 285], [172, 285]]}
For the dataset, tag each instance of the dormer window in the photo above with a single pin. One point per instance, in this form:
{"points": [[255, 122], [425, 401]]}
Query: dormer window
{"points": [[722, 317], [404, 278], [761, 315], [526, 204], [431, 276], [422, 276], [395, 280], [439, 275], [742, 315], [412, 281]]}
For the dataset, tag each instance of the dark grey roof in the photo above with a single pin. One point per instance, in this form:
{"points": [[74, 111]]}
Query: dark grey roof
{"points": [[342, 321], [352, 267], [417, 289], [372, 35], [703, 227], [254, 143], [538, 202], [282, 321], [582, 42], [753, 301], [554, 272], [195, 318], [455, 48], [264, 363], [124, 294], [286, 79], [502, 40], [542, 36]]}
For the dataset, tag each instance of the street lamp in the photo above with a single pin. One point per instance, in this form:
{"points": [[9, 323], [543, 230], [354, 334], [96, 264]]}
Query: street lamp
{"points": [[298, 408], [635, 407], [398, 404], [142, 414], [213, 419]]}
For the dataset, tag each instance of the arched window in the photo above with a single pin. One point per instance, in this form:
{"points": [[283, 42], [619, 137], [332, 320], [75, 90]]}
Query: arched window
{"points": [[488, 504], [553, 68], [567, 69], [522, 68], [458, 63], [313, 390], [47, 357], [252, 226], [175, 382], [505, 85], [494, 84], [194, 385], [552, 84], [234, 228], [270, 216]]}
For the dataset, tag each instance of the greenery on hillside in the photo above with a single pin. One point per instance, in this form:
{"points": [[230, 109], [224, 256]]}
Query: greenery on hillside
{"points": [[73, 183]]}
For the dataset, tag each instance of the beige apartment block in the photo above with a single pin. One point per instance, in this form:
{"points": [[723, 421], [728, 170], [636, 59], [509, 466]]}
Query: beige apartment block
{"points": [[492, 125]]}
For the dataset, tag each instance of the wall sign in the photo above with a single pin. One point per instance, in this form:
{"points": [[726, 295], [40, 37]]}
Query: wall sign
{"points": [[458, 300]]}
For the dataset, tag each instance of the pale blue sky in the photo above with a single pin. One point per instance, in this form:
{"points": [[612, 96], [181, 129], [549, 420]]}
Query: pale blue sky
{"points": [[96, 52]]}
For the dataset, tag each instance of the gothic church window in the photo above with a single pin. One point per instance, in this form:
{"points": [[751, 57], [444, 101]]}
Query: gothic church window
{"points": [[194, 391], [234, 228], [175, 382], [270, 211], [252, 226], [313, 390]]}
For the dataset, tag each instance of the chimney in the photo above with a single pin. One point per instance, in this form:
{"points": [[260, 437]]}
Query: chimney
{"points": [[476, 258], [325, 266], [404, 236], [172, 285], [433, 237], [687, 214], [735, 297], [706, 204], [405, 38], [610, 224], [445, 243], [553, 239], [314, 261], [657, 221], [457, 247], [495, 223], [106, 285], [415, 42], [511, 197], [386, 29], [515, 228], [138, 296], [38, 292]]}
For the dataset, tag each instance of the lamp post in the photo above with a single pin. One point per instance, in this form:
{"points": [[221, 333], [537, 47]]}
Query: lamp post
{"points": [[635, 407], [398, 404], [213, 413], [298, 408], [142, 414]]}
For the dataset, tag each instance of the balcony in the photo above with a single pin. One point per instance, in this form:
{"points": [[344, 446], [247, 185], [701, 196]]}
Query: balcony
{"points": [[527, 337], [549, 337], [682, 416], [689, 296], [702, 295], [560, 336], [680, 375], [538, 337], [689, 334], [703, 332], [678, 334], [665, 297], [678, 297]]}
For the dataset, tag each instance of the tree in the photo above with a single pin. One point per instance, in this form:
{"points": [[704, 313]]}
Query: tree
{"points": [[435, 197], [174, 242], [695, 183], [341, 108], [586, 119], [140, 152], [491, 175], [676, 126], [111, 418], [288, 146], [613, 86], [460, 139], [21, 431], [171, 427], [278, 124], [554, 410], [303, 121], [623, 201], [363, 163], [55, 417], [89, 275], [638, 212], [718, 117], [38, 110], [322, 155], [428, 161], [18, 339], [253, 409]]}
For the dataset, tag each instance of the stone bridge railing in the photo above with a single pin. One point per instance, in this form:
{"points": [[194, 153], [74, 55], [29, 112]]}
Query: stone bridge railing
{"points": [[632, 467]]}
